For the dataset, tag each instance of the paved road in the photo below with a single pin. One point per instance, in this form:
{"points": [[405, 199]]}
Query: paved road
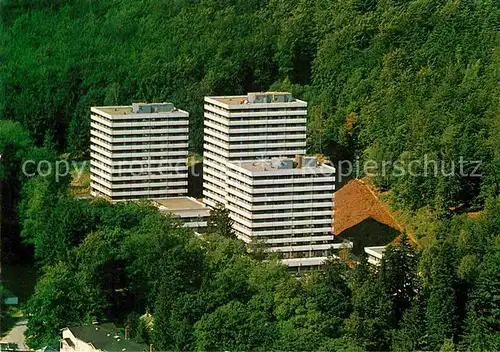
{"points": [[16, 335]]}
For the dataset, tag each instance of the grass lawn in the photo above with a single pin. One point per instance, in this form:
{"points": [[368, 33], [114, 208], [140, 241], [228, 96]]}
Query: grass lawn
{"points": [[80, 183]]}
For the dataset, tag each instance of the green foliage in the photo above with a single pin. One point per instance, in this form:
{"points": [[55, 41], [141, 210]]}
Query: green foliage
{"points": [[53, 222], [385, 81], [60, 300], [209, 293], [4, 309], [14, 140], [220, 222], [411, 336], [483, 318], [108, 272], [398, 277], [396, 81], [234, 326], [369, 324]]}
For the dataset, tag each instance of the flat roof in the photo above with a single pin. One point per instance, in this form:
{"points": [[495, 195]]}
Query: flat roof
{"points": [[180, 203], [376, 251], [127, 109], [116, 110], [247, 99]]}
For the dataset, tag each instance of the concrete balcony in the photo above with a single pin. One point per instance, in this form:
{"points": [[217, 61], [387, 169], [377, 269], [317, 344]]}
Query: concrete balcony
{"points": [[236, 131], [209, 155], [304, 239], [215, 133], [216, 150], [221, 129], [304, 248], [250, 147], [139, 131], [266, 154], [304, 262], [270, 121], [286, 137], [223, 145], [296, 232]]}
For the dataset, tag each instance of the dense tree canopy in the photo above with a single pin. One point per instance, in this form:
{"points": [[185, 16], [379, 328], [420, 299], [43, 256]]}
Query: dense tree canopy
{"points": [[385, 80], [210, 293]]}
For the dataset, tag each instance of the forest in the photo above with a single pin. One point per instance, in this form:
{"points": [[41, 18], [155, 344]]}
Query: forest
{"points": [[386, 80]]}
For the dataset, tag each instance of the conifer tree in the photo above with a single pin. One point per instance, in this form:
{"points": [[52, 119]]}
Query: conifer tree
{"points": [[441, 315], [220, 222]]}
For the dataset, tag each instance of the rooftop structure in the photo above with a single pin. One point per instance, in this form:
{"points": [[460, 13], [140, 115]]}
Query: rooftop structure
{"points": [[140, 108], [284, 164], [139, 151], [193, 213], [247, 128], [101, 337], [256, 98], [287, 204]]}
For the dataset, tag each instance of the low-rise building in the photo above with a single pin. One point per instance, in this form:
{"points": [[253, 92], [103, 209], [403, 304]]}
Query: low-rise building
{"points": [[286, 204], [375, 254], [193, 213], [98, 337]]}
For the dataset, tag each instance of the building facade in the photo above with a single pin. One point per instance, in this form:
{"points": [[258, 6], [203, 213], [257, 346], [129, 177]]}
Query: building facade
{"points": [[139, 151], [286, 204], [249, 127]]}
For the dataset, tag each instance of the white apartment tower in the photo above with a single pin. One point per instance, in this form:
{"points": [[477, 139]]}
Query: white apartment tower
{"points": [[249, 127], [286, 204], [139, 151]]}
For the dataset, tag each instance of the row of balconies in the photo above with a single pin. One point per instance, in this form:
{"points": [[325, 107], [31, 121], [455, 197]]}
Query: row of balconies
{"points": [[286, 222], [105, 152], [235, 131], [114, 147], [119, 133], [272, 217], [313, 247], [285, 232], [264, 144], [252, 121], [137, 177], [309, 238], [149, 123], [114, 186], [179, 168], [139, 193], [267, 111], [283, 186], [152, 138], [181, 160], [252, 199], [238, 180]]}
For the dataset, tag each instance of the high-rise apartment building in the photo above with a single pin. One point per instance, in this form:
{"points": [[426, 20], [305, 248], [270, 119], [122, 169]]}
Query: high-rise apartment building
{"points": [[287, 204], [139, 151], [249, 127]]}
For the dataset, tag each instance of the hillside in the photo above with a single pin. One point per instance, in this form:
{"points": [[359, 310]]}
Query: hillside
{"points": [[385, 80]]}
